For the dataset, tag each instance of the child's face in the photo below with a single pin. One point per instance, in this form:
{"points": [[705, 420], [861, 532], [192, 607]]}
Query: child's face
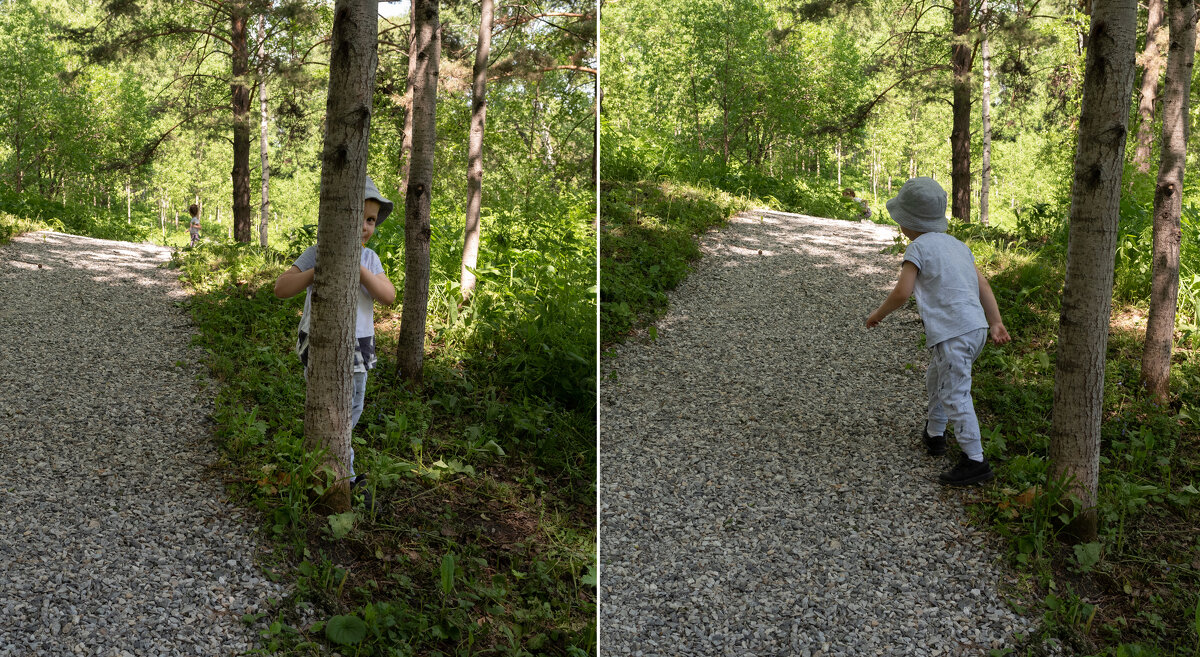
{"points": [[910, 234], [370, 216]]}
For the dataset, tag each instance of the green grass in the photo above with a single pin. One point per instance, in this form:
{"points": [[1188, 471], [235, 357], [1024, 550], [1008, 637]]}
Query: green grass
{"points": [[649, 236], [12, 225]]}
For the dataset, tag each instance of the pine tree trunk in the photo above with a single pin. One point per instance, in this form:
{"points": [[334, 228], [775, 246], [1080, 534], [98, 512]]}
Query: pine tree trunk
{"points": [[960, 133], [410, 357], [470, 254], [241, 124], [406, 142], [985, 101], [1168, 200], [339, 234], [1151, 61], [264, 122], [1091, 248]]}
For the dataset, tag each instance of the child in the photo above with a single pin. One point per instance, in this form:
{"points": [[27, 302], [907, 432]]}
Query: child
{"points": [[374, 286], [194, 229], [959, 312]]}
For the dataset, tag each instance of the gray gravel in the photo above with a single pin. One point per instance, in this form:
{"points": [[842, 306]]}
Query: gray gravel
{"points": [[114, 537], [763, 490]]}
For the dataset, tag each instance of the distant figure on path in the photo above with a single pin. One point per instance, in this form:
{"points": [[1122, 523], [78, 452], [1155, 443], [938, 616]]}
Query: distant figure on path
{"points": [[194, 229], [959, 312], [374, 285]]}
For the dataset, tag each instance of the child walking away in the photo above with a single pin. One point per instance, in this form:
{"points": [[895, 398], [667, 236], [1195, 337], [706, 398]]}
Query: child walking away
{"points": [[194, 228], [959, 312], [373, 286]]}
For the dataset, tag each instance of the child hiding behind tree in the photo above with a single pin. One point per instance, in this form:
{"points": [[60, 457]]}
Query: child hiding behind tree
{"points": [[374, 285]]}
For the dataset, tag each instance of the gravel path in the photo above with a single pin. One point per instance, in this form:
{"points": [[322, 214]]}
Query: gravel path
{"points": [[763, 490], [114, 537]]}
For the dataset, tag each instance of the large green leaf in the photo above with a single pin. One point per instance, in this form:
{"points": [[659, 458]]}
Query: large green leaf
{"points": [[346, 630]]}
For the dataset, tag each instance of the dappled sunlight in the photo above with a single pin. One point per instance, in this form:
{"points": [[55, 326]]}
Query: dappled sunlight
{"points": [[136, 264], [786, 237]]}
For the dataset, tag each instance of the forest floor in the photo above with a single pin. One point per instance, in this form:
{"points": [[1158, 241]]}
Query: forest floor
{"points": [[116, 537], [764, 487]]}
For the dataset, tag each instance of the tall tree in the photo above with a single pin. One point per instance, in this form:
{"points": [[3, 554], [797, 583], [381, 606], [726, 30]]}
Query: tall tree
{"points": [[960, 132], [218, 28], [1091, 247], [239, 15], [1168, 200], [470, 254], [339, 230], [426, 36], [1151, 61]]}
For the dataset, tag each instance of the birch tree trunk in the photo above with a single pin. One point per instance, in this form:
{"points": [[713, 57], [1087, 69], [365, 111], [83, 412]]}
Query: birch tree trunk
{"points": [[1091, 247], [1151, 62], [1168, 200], [960, 133], [264, 121], [470, 254], [241, 122], [410, 357], [985, 101], [339, 236]]}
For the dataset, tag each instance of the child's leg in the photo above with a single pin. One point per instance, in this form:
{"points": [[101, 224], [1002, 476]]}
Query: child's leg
{"points": [[955, 357], [356, 408], [935, 419]]}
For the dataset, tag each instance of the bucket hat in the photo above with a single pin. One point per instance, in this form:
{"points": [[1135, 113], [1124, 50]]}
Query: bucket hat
{"points": [[385, 206], [920, 206]]}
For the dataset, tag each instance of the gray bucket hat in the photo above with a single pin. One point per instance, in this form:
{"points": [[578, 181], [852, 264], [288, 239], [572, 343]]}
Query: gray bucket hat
{"points": [[385, 206], [920, 206]]}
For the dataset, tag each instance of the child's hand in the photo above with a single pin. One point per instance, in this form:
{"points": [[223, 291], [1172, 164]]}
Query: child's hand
{"points": [[998, 333], [873, 319]]}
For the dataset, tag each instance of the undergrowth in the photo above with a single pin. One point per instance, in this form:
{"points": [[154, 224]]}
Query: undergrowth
{"points": [[482, 536]]}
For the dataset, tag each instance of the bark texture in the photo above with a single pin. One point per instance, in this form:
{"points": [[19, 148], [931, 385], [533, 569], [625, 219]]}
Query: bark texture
{"points": [[1151, 61], [339, 236], [1091, 247], [960, 133], [470, 254], [1168, 200], [406, 142], [410, 357], [241, 122]]}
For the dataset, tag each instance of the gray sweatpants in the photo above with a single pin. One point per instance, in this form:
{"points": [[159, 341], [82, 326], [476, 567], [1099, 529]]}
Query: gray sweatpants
{"points": [[948, 383]]}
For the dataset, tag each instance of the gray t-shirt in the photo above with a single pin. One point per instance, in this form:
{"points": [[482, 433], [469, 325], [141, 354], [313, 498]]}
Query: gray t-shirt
{"points": [[364, 324], [947, 287]]}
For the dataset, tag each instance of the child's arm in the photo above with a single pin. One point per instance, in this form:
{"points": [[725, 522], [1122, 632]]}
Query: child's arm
{"points": [[991, 310], [378, 285], [293, 281], [898, 295]]}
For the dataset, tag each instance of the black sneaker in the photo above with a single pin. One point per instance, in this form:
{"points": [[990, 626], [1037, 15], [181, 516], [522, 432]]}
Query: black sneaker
{"points": [[967, 472], [358, 486], [934, 445]]}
